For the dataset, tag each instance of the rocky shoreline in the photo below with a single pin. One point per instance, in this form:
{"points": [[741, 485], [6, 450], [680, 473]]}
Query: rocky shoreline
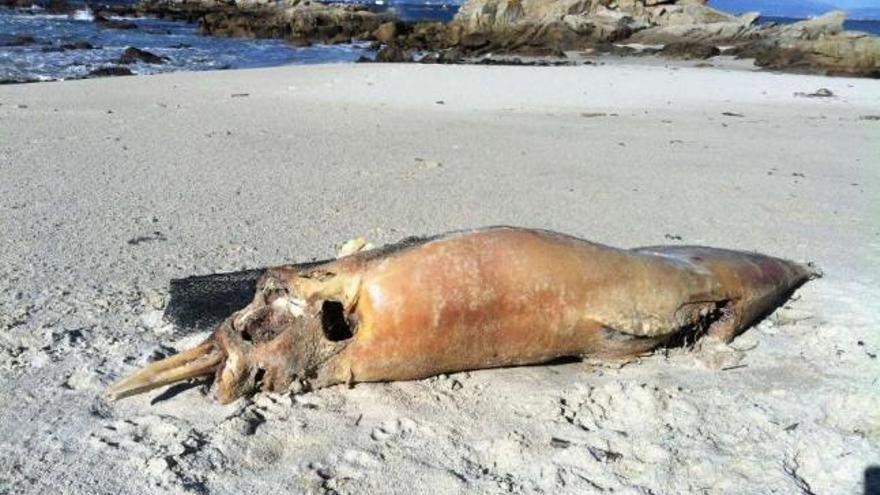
{"points": [[546, 31]]}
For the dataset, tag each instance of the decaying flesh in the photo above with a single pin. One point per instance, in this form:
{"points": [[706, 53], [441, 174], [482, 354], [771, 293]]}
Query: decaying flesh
{"points": [[464, 301]]}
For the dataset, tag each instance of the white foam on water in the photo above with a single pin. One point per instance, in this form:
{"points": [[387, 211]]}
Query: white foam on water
{"points": [[83, 15], [56, 55]]}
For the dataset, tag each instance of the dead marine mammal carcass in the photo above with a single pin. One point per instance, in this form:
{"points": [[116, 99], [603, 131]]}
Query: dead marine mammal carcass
{"points": [[485, 298]]}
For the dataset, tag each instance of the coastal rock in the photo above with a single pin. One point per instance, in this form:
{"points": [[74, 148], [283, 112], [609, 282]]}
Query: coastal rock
{"points": [[845, 54], [393, 54], [298, 22], [76, 45], [386, 32], [500, 15], [331, 23], [489, 15], [12, 80], [666, 2], [258, 22], [59, 7], [570, 32], [685, 28], [693, 28], [604, 24], [449, 56], [299, 42], [690, 29], [718, 33], [186, 11], [516, 61], [108, 23], [474, 40], [46, 6], [619, 50], [818, 45], [812, 29], [426, 35], [16, 4], [20, 40], [690, 50], [687, 13], [111, 70], [133, 55], [338, 39], [514, 25]]}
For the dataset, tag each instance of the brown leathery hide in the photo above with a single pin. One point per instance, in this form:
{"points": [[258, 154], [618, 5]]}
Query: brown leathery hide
{"points": [[485, 298]]}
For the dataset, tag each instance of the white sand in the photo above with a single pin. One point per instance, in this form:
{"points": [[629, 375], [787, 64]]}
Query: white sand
{"points": [[316, 155]]}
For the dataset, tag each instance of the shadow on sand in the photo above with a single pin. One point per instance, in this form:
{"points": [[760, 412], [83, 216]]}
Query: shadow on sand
{"points": [[872, 480]]}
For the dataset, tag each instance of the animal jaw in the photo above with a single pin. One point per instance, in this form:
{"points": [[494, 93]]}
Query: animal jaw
{"points": [[479, 299]]}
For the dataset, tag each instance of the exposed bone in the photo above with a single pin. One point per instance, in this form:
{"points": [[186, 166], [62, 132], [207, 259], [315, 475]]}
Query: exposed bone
{"points": [[198, 361], [354, 246], [480, 299]]}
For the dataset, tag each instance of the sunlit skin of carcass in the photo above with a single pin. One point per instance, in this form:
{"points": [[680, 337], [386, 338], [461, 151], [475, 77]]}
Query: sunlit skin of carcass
{"points": [[486, 298]]}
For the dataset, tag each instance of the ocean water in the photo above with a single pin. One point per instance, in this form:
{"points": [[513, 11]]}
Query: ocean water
{"points": [[184, 48], [47, 58], [440, 12], [872, 27]]}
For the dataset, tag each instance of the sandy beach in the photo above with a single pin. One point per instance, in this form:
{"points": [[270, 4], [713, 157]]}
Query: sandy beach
{"points": [[109, 188]]}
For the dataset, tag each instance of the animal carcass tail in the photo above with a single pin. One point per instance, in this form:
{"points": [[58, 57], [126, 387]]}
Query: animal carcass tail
{"points": [[757, 283]]}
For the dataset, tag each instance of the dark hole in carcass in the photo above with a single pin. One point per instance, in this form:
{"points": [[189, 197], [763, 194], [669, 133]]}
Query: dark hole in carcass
{"points": [[703, 316], [333, 321], [265, 325], [258, 377]]}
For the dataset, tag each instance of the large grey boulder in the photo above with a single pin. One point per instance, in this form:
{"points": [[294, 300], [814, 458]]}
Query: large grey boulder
{"points": [[817, 45], [557, 24], [812, 29]]}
